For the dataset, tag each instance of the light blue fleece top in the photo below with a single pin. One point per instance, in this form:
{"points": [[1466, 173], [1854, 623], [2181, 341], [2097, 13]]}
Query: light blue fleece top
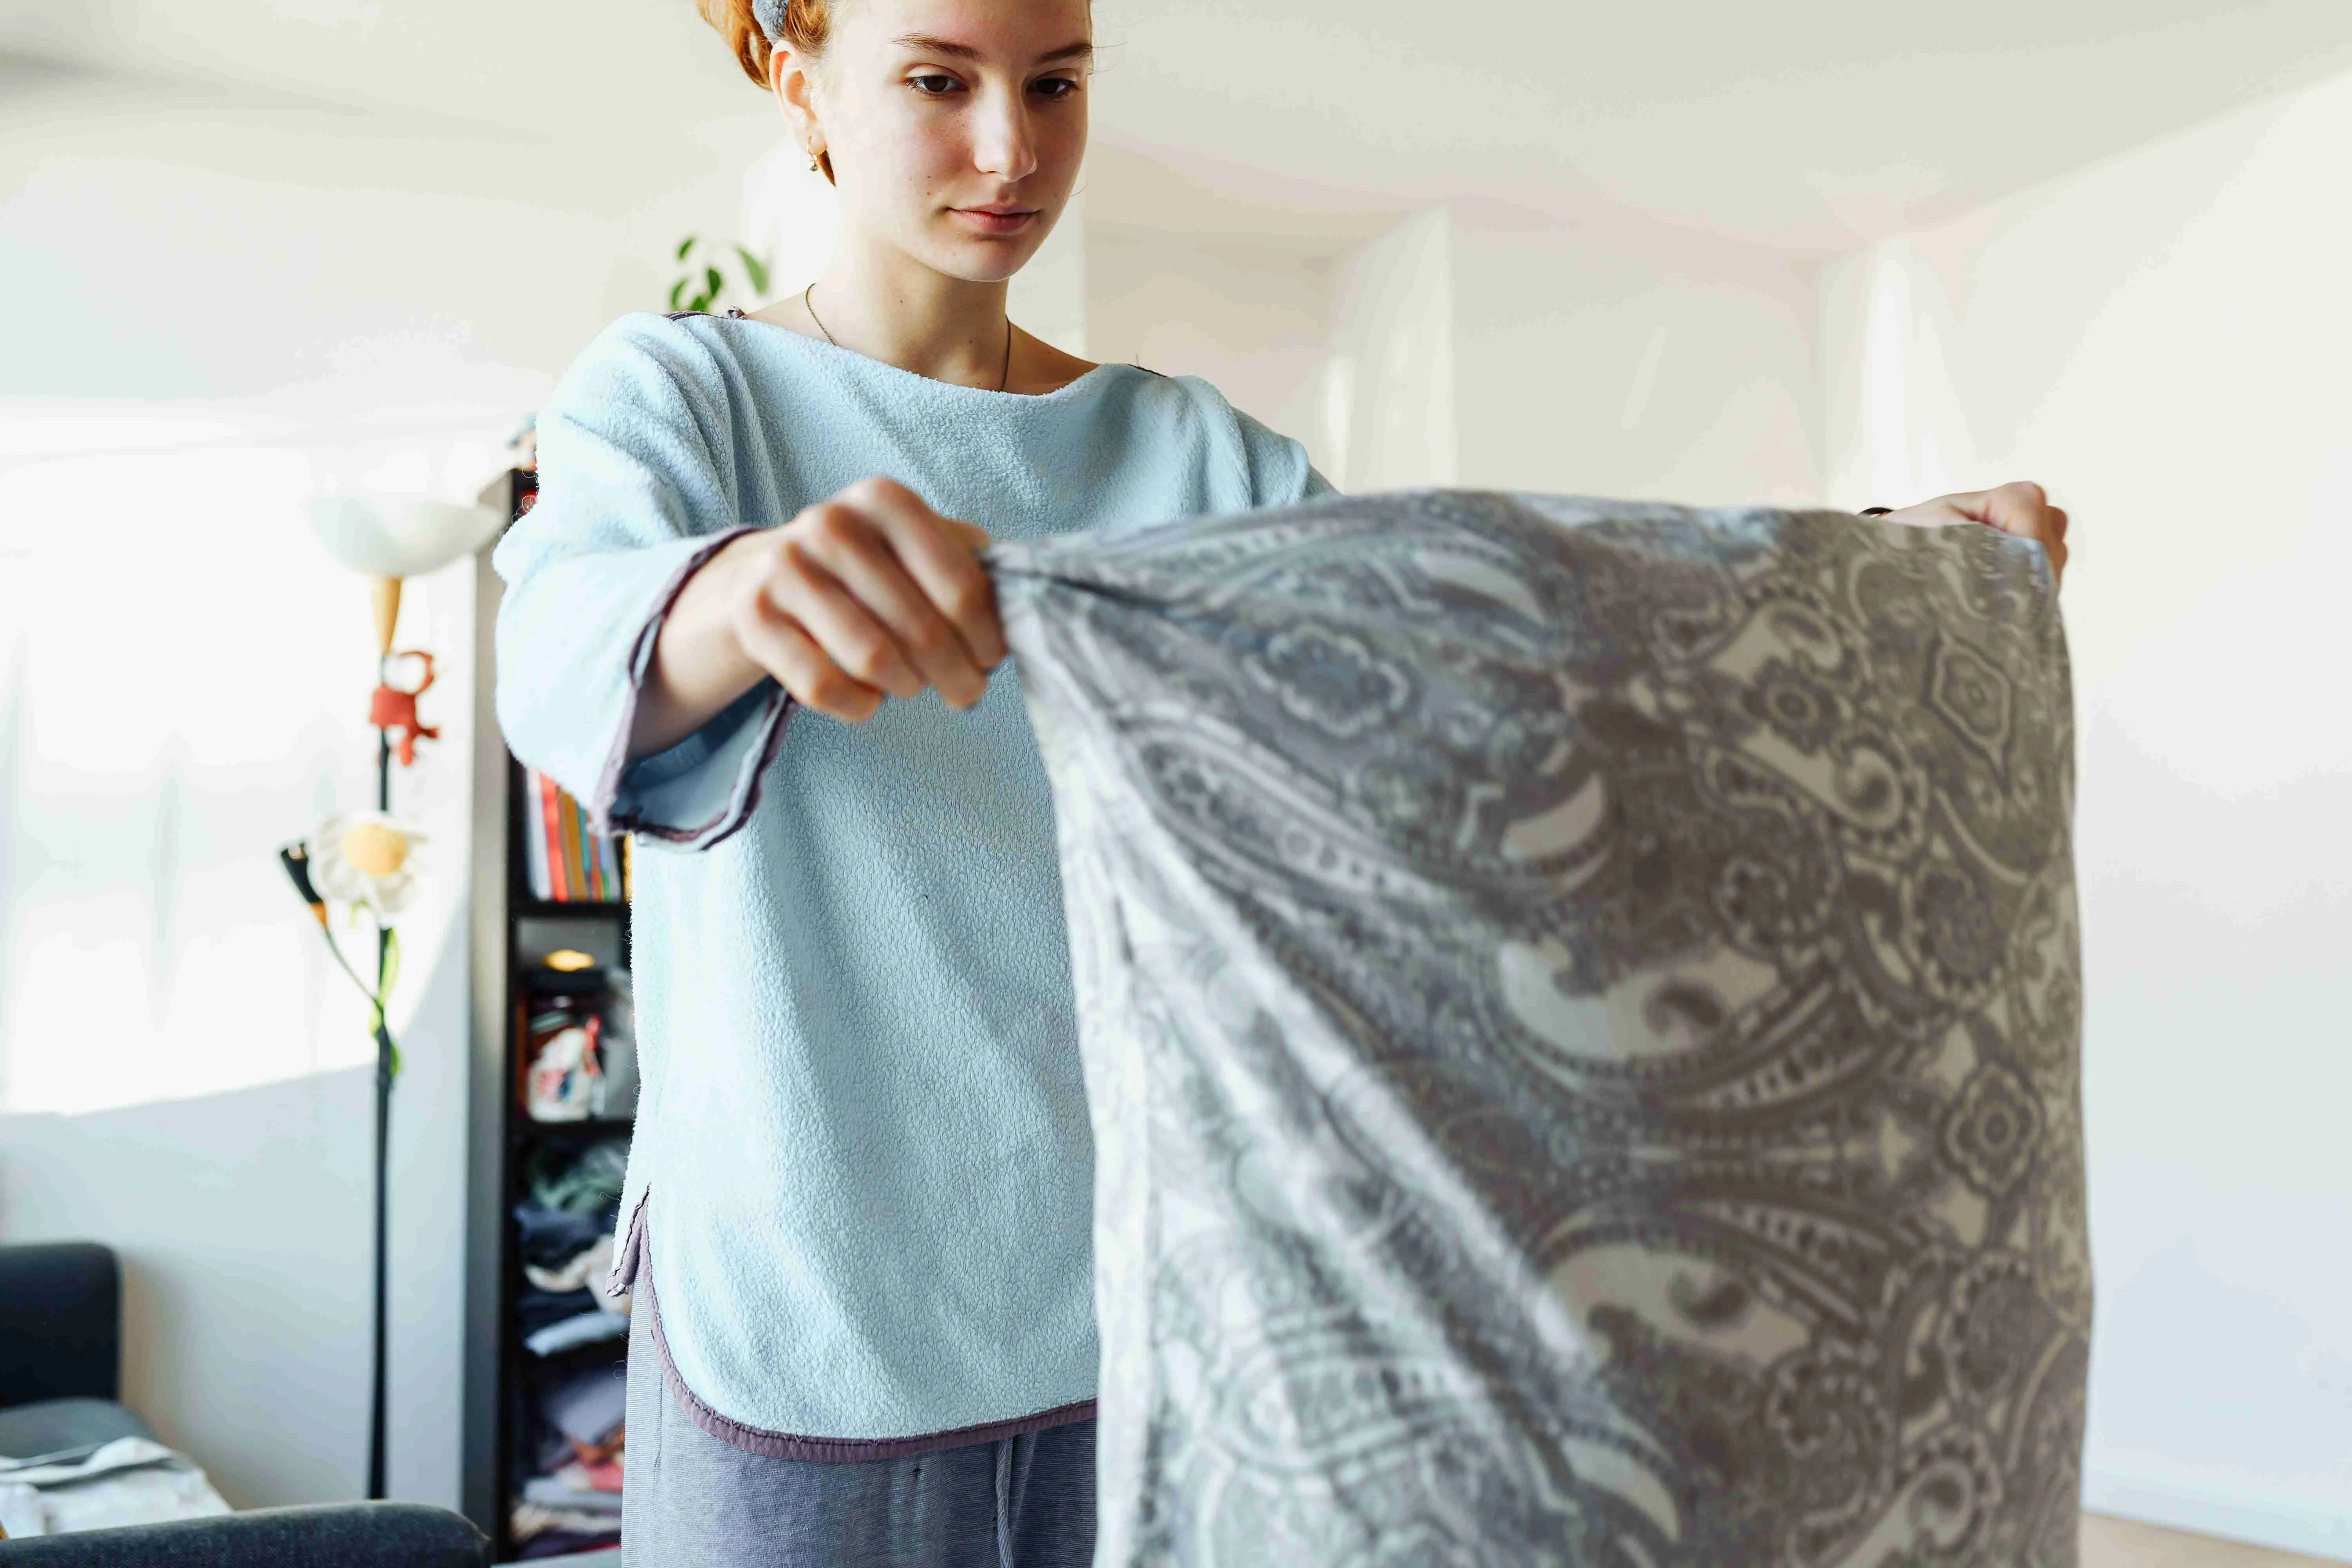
{"points": [[862, 1170]]}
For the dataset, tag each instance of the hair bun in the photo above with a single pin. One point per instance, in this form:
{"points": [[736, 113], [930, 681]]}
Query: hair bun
{"points": [[752, 29]]}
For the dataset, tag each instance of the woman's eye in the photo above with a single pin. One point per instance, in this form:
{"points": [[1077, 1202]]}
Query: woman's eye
{"points": [[933, 86], [1057, 86]]}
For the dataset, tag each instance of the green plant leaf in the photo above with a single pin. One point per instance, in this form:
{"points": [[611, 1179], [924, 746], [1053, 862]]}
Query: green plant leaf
{"points": [[676, 290], [684, 245], [710, 276], [755, 269]]}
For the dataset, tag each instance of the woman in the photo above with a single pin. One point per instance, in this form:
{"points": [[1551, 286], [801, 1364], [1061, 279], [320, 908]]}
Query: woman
{"points": [[858, 1203], [862, 1170]]}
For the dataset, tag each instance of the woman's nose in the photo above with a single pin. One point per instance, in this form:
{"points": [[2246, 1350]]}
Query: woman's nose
{"points": [[1002, 145]]}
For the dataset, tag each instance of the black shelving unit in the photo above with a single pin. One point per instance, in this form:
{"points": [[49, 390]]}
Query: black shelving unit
{"points": [[513, 932]]}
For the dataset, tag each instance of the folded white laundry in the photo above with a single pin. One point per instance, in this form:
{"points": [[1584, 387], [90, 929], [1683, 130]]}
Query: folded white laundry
{"points": [[578, 1269], [555, 1492], [584, 1329], [131, 1480], [530, 1519]]}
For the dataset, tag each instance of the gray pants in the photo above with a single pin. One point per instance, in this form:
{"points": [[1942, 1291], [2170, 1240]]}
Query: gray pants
{"points": [[693, 1501]]}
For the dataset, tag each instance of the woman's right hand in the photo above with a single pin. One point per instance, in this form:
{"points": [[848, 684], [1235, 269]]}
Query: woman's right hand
{"points": [[868, 594]]}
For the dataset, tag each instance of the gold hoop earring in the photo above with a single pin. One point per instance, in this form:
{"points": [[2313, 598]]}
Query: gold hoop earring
{"points": [[816, 163]]}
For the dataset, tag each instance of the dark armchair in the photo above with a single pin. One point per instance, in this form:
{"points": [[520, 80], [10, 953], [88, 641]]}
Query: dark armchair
{"points": [[61, 1350], [60, 1380], [318, 1535]]}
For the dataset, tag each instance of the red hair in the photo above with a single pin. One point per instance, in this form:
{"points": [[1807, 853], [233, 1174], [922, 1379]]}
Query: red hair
{"points": [[807, 24]]}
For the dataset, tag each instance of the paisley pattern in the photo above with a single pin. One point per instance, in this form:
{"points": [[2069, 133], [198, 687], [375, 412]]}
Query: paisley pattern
{"points": [[1581, 1004]]}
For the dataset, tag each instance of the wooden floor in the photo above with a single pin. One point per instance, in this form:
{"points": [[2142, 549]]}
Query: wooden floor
{"points": [[2122, 1543]]}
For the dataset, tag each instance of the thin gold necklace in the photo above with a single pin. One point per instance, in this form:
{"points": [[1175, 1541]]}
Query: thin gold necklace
{"points": [[1003, 379]]}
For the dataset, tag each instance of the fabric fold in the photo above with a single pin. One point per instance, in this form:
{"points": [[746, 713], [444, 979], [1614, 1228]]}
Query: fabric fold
{"points": [[1581, 1004]]}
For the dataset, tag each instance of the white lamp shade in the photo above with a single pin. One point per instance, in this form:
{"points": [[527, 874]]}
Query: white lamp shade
{"points": [[400, 536]]}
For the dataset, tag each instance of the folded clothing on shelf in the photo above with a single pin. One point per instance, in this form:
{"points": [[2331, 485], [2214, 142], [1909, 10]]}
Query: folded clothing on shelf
{"points": [[583, 1181], [585, 1406], [564, 1242], [552, 1321], [585, 1329], [549, 1237], [564, 1237], [584, 1270], [581, 1455], [555, 1450], [563, 1543], [577, 1486], [535, 1310], [540, 1531]]}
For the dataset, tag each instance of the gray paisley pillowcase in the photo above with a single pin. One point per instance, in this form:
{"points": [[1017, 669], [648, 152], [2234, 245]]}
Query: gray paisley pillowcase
{"points": [[1581, 1006]]}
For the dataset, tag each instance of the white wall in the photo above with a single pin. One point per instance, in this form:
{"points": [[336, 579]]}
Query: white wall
{"points": [[1395, 401], [1658, 366], [2162, 341], [1048, 296], [1249, 319], [1468, 345]]}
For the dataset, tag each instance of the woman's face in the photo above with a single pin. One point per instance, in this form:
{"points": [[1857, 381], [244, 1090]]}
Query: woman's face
{"points": [[955, 127]]}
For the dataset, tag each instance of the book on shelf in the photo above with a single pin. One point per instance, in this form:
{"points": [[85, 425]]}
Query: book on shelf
{"points": [[567, 840], [565, 862]]}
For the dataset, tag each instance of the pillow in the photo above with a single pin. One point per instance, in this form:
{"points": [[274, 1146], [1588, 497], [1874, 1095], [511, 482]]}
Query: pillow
{"points": [[1579, 1003]]}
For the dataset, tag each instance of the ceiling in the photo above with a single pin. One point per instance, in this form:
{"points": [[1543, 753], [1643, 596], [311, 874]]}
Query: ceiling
{"points": [[1805, 130], [1808, 128]]}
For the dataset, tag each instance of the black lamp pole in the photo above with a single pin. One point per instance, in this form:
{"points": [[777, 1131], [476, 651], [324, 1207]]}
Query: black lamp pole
{"points": [[382, 1133], [389, 708]]}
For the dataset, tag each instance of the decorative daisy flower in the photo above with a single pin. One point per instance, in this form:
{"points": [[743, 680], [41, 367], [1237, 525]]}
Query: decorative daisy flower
{"points": [[366, 857]]}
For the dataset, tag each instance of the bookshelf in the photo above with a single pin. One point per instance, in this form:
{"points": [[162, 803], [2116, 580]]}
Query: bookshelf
{"points": [[521, 1003]]}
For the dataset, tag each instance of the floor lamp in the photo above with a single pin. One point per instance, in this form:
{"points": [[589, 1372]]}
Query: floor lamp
{"points": [[365, 857]]}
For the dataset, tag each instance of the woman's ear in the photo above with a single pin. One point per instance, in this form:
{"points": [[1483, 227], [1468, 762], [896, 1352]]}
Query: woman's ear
{"points": [[792, 78]]}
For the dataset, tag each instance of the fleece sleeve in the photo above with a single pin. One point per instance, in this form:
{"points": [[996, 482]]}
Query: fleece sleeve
{"points": [[634, 447], [1279, 473]]}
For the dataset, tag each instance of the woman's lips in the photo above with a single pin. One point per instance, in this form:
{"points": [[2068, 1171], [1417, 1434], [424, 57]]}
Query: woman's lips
{"points": [[985, 222]]}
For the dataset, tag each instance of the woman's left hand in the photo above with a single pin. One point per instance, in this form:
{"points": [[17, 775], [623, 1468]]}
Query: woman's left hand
{"points": [[2021, 507]]}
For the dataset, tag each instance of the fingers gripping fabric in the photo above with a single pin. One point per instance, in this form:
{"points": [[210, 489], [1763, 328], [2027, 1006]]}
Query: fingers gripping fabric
{"points": [[1581, 1009]]}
